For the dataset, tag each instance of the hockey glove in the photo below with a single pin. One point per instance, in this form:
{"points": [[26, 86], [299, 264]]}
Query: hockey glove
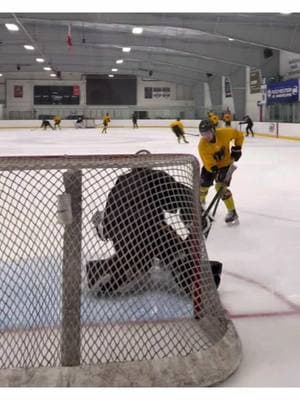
{"points": [[236, 152], [214, 169]]}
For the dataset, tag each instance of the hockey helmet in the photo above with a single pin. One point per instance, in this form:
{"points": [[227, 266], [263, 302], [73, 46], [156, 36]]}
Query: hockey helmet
{"points": [[207, 129], [205, 125]]}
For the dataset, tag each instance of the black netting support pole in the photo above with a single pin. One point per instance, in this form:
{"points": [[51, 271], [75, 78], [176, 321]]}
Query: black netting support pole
{"points": [[70, 345]]}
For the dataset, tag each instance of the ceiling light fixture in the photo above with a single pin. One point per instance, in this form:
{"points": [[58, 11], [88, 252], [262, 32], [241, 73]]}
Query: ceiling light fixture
{"points": [[126, 49], [231, 39], [53, 75], [119, 61], [28, 47], [114, 69], [12, 27], [137, 30], [1, 74], [110, 75], [39, 60], [47, 68]]}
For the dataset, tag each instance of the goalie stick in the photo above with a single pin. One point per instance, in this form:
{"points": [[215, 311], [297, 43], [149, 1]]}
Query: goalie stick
{"points": [[207, 218]]}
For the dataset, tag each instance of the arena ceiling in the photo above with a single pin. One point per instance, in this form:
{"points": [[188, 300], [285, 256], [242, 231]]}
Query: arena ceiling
{"points": [[179, 47]]}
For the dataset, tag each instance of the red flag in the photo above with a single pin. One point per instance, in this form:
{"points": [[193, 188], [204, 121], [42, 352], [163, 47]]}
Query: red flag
{"points": [[76, 90], [69, 37]]}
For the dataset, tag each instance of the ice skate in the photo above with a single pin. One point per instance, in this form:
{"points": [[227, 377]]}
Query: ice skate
{"points": [[231, 217]]}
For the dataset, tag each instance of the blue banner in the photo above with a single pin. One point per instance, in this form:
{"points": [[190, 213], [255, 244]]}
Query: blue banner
{"points": [[283, 92]]}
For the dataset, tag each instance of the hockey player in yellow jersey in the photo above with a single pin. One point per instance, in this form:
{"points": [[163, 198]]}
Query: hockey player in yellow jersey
{"points": [[227, 118], [57, 121], [217, 154], [178, 128], [213, 118], [106, 120]]}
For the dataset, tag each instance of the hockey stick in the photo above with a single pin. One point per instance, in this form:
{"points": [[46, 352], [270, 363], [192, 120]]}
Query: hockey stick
{"points": [[192, 134], [222, 189], [241, 126], [209, 218]]}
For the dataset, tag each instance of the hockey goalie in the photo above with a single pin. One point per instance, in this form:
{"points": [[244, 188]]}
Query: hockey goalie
{"points": [[134, 220]]}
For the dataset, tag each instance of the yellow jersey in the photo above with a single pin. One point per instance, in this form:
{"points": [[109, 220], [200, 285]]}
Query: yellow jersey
{"points": [[177, 123], [57, 119], [106, 120], [218, 153]]}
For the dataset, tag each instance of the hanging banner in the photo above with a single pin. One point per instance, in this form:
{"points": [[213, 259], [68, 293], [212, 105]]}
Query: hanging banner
{"points": [[289, 64], [157, 92], [263, 90], [283, 92], [255, 80], [18, 91], [227, 87]]}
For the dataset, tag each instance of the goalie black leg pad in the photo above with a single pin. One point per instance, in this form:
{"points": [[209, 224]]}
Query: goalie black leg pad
{"points": [[104, 275], [111, 275], [216, 267], [217, 279], [95, 272]]}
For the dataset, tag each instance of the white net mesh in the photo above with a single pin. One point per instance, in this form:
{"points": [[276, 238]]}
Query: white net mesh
{"points": [[126, 282], [90, 123]]}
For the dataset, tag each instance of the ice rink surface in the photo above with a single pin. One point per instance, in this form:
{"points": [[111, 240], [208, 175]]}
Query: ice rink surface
{"points": [[261, 281]]}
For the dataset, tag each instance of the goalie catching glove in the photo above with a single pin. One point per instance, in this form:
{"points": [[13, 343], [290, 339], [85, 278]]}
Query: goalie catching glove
{"points": [[236, 152]]}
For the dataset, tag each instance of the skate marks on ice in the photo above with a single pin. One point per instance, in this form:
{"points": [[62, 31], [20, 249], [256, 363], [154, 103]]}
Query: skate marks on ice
{"points": [[274, 302]]}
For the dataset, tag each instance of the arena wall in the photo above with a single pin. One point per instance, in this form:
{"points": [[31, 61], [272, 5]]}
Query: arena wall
{"points": [[270, 129]]}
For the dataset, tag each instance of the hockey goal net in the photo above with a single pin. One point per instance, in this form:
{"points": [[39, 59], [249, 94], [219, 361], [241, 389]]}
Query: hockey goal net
{"points": [[103, 266], [90, 123]]}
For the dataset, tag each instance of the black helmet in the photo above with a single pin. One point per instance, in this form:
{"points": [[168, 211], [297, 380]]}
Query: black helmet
{"points": [[205, 125]]}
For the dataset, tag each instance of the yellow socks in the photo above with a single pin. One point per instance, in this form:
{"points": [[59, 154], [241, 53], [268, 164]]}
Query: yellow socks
{"points": [[203, 193], [227, 197], [229, 203]]}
